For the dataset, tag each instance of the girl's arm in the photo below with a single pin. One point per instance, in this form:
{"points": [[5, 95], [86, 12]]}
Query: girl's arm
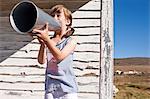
{"points": [[42, 54], [61, 54], [58, 54], [42, 50]]}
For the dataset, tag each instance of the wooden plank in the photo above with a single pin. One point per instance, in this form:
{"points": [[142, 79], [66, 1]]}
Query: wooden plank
{"points": [[11, 94], [86, 72], [91, 88], [21, 85], [5, 54], [22, 78], [11, 45], [76, 22], [106, 69], [5, 27], [79, 50], [40, 79], [78, 30], [18, 70], [89, 56], [4, 20], [31, 46], [92, 5], [86, 65], [20, 59], [40, 71], [40, 87], [86, 14], [83, 38], [14, 37], [34, 54], [88, 84], [87, 31], [12, 84], [88, 47], [81, 46], [72, 5], [46, 4], [24, 54], [88, 96], [21, 62], [93, 39], [77, 64], [69, 4], [85, 22]]}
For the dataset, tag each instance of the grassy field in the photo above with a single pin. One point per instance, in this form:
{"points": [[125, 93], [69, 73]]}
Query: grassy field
{"points": [[133, 86]]}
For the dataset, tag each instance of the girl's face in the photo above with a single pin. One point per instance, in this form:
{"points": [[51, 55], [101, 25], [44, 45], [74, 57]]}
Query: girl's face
{"points": [[62, 19]]}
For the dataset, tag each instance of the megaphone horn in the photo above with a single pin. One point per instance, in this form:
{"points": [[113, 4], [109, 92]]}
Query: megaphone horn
{"points": [[26, 15]]}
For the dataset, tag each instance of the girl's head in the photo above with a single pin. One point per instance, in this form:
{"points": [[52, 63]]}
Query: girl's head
{"points": [[62, 14]]}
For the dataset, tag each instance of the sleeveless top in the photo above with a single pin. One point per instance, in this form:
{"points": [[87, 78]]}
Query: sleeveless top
{"points": [[60, 75]]}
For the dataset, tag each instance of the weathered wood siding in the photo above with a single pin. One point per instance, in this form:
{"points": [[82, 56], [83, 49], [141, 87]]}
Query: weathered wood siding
{"points": [[106, 54], [73, 5], [21, 76]]}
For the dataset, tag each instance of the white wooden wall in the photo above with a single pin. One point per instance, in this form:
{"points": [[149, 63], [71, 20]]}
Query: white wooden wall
{"points": [[22, 77]]}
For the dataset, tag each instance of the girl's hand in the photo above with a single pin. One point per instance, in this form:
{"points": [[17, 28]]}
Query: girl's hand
{"points": [[33, 35], [41, 42], [42, 33]]}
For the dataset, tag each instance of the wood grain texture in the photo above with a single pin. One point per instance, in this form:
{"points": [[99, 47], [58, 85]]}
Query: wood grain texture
{"points": [[106, 69], [21, 76]]}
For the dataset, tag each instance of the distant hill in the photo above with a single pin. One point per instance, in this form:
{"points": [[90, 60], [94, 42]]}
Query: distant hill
{"points": [[131, 61]]}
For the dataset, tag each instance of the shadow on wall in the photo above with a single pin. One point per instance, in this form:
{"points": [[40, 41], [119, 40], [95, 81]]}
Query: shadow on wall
{"points": [[11, 41]]}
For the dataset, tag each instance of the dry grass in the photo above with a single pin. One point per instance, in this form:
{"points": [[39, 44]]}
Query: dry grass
{"points": [[132, 92], [133, 86]]}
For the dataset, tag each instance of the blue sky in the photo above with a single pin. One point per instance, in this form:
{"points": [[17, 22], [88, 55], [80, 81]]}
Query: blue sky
{"points": [[131, 28]]}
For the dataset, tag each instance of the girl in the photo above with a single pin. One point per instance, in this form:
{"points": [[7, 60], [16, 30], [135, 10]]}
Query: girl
{"points": [[57, 53]]}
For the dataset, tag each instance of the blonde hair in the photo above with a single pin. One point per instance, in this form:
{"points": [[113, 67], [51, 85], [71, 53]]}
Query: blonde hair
{"points": [[68, 15]]}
